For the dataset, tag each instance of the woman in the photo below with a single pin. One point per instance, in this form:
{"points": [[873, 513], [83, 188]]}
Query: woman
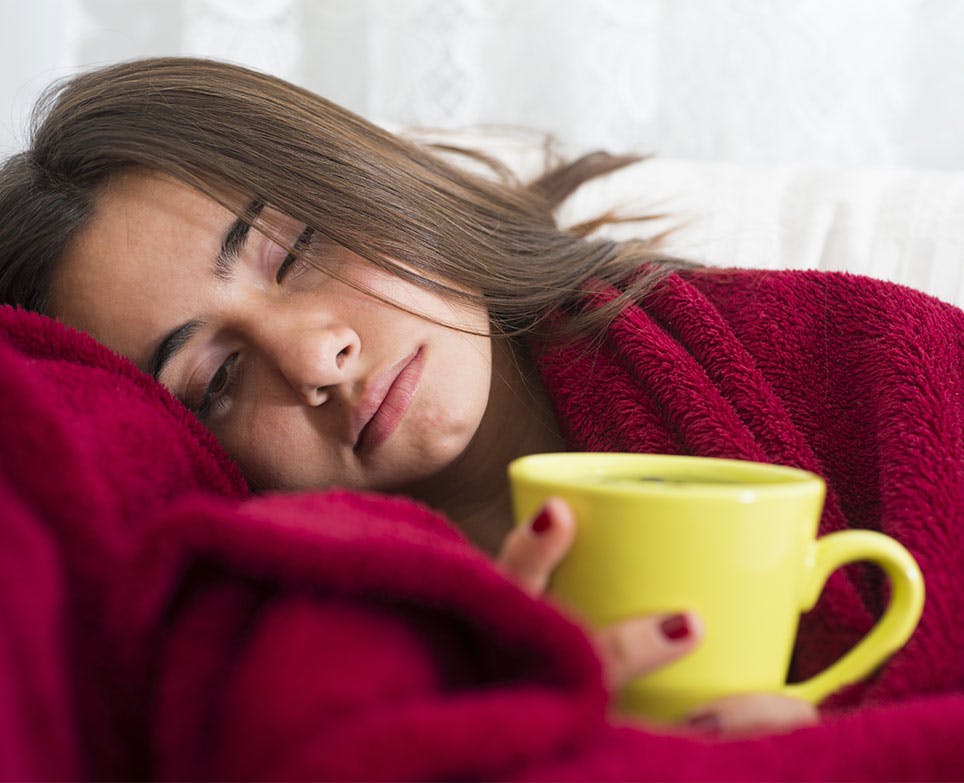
{"points": [[342, 307]]}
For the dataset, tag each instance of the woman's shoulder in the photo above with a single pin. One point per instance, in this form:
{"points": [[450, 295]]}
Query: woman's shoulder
{"points": [[808, 290], [837, 312]]}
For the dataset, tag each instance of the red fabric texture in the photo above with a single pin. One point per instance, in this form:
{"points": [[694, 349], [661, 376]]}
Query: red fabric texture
{"points": [[161, 622], [859, 381]]}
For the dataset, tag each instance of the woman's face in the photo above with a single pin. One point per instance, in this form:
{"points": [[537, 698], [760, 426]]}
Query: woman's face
{"points": [[307, 381]]}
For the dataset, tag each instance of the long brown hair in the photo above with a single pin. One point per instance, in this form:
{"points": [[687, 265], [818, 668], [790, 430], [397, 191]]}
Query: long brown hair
{"points": [[224, 128]]}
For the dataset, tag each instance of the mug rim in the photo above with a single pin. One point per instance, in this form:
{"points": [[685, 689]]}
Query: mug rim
{"points": [[544, 469]]}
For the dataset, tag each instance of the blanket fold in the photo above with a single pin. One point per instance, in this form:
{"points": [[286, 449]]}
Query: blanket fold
{"points": [[162, 622]]}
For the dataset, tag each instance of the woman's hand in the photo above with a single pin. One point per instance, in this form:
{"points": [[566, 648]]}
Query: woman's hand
{"points": [[627, 649], [640, 645]]}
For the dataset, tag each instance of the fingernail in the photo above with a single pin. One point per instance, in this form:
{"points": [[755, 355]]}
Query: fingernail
{"points": [[541, 523], [705, 723], [676, 627]]}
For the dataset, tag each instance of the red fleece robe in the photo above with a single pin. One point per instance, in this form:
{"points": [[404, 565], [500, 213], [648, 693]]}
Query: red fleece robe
{"points": [[158, 621], [859, 381]]}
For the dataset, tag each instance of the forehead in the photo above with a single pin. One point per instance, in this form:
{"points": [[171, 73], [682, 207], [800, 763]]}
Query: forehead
{"points": [[136, 267]]}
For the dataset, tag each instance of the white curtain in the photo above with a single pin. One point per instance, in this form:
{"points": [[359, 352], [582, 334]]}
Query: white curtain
{"points": [[844, 82]]}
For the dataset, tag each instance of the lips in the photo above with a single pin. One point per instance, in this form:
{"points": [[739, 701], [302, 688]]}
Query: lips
{"points": [[383, 405]]}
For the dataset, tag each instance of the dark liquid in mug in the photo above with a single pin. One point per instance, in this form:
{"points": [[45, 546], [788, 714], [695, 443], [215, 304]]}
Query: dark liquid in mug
{"points": [[670, 480]]}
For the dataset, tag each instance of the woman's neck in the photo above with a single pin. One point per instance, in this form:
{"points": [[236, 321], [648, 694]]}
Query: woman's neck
{"points": [[474, 492]]}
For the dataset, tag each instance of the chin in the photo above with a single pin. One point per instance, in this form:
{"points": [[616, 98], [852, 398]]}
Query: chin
{"points": [[423, 464]]}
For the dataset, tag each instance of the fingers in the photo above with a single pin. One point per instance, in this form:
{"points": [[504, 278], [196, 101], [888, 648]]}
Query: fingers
{"points": [[629, 648], [640, 645], [754, 713], [531, 552]]}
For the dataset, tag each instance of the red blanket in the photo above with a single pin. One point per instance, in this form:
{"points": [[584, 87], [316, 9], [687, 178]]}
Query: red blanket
{"points": [[158, 621]]}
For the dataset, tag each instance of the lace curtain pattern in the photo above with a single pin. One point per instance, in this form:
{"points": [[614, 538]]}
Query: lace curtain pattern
{"points": [[843, 82]]}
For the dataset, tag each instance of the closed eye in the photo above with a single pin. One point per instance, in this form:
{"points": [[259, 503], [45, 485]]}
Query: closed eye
{"points": [[219, 388], [303, 240]]}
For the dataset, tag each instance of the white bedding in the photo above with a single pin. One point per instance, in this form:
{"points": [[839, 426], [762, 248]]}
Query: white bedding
{"points": [[900, 225], [906, 226]]}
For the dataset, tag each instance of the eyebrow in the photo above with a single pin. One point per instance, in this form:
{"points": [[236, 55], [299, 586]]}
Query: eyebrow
{"points": [[170, 345], [231, 246]]}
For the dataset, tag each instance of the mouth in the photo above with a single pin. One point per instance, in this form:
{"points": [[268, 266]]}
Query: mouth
{"points": [[383, 406]]}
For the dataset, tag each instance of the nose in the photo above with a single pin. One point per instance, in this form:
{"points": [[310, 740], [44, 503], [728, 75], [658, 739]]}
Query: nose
{"points": [[316, 359]]}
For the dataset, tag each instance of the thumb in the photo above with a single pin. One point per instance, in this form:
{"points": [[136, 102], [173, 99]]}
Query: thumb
{"points": [[532, 551]]}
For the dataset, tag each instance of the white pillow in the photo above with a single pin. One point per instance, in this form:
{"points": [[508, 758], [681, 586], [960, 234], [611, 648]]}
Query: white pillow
{"points": [[900, 225], [906, 226]]}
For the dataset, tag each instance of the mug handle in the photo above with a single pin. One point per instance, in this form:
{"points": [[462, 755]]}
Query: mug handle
{"points": [[892, 630]]}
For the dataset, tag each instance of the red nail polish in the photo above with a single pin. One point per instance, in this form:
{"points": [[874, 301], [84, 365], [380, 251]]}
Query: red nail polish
{"points": [[676, 627], [541, 523]]}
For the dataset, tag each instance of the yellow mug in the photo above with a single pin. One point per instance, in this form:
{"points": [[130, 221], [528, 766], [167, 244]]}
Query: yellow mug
{"points": [[733, 540]]}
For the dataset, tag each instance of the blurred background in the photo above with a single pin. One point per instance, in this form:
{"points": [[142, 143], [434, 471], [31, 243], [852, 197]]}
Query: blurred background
{"points": [[842, 82]]}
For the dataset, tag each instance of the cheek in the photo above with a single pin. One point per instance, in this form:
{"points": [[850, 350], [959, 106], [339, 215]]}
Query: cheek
{"points": [[463, 381], [477, 370], [277, 450]]}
